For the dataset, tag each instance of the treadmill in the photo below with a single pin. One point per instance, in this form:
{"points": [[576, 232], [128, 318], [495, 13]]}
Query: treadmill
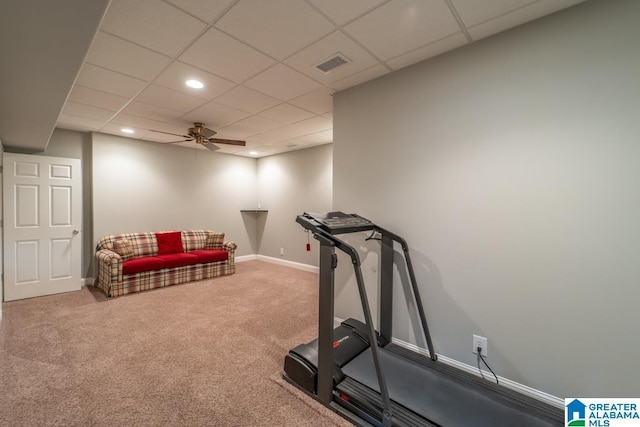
{"points": [[359, 373]]}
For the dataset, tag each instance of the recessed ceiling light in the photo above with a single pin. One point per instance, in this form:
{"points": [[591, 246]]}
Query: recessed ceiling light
{"points": [[253, 153], [127, 130], [195, 84]]}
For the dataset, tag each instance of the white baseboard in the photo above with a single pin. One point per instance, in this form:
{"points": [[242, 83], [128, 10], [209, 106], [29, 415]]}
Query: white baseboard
{"points": [[520, 388], [286, 263], [245, 258], [87, 281]]}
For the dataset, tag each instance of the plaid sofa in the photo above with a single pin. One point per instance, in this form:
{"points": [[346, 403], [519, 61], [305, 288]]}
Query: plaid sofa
{"points": [[114, 282]]}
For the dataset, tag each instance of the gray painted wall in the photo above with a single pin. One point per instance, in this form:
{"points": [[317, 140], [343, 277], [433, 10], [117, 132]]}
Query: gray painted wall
{"points": [[512, 168], [145, 186], [288, 185]]}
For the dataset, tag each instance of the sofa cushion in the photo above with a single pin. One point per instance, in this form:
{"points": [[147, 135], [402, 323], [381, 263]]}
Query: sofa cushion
{"points": [[138, 265], [123, 248], [215, 240], [178, 260], [212, 255], [194, 240], [169, 243]]}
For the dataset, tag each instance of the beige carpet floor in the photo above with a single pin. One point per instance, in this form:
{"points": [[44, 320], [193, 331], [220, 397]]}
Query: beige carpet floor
{"points": [[202, 353]]}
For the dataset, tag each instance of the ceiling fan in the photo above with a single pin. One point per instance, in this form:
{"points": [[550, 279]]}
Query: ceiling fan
{"points": [[203, 136]]}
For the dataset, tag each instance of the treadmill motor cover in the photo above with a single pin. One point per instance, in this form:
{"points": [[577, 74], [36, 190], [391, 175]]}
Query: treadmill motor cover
{"points": [[301, 364]]}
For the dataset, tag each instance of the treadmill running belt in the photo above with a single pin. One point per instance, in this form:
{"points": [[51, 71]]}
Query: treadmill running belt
{"points": [[440, 399]]}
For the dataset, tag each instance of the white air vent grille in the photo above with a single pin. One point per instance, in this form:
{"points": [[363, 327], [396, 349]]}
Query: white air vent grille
{"points": [[335, 61]]}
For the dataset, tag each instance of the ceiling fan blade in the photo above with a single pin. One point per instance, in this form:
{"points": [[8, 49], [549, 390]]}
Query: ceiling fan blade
{"points": [[207, 133], [177, 142], [228, 141], [169, 133], [210, 146]]}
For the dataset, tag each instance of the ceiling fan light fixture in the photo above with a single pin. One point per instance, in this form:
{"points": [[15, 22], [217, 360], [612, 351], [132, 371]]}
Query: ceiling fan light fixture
{"points": [[195, 84]]}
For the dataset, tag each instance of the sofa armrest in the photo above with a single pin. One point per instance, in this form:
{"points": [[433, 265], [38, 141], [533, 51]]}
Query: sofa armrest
{"points": [[230, 247], [109, 269]]}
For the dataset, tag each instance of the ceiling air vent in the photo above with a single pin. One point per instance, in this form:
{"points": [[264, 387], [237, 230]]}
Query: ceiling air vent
{"points": [[335, 61]]}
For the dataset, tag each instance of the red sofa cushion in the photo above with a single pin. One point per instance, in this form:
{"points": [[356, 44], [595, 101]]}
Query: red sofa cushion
{"points": [[211, 255], [138, 265], [169, 243], [178, 260]]}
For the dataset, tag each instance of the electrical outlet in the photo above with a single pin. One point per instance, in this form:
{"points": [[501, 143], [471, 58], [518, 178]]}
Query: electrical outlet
{"points": [[481, 342], [281, 251]]}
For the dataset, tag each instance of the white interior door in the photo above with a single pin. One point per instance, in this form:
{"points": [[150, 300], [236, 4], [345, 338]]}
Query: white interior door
{"points": [[42, 225]]}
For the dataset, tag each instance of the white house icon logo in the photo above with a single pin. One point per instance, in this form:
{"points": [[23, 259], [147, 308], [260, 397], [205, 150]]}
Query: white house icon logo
{"points": [[576, 413]]}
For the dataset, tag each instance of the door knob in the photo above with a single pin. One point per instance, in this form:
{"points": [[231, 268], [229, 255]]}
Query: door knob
{"points": [[76, 231]]}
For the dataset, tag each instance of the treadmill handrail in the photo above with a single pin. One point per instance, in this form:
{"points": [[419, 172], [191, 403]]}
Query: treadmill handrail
{"points": [[327, 238], [414, 286]]}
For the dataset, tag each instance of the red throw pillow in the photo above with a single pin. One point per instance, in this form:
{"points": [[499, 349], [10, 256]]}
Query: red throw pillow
{"points": [[169, 243]]}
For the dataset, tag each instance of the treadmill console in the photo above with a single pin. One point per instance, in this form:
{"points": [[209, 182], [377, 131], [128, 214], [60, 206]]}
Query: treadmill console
{"points": [[336, 222]]}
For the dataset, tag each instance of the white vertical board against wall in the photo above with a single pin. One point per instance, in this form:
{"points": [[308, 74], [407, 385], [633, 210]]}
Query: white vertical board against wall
{"points": [[1, 233], [42, 221]]}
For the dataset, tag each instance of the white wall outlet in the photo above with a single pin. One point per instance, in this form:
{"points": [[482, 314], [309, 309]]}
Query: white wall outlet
{"points": [[481, 342], [281, 251]]}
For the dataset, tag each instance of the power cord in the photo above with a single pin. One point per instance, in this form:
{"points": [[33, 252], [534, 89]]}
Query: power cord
{"points": [[373, 236], [480, 356]]}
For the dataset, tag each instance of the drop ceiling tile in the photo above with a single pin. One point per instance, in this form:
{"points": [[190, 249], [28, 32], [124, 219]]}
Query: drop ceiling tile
{"points": [[433, 49], [215, 115], [403, 25], [363, 76], [247, 127], [205, 10], [286, 114], [96, 98], [319, 101], [518, 17], [115, 54], [341, 11], [69, 121], [153, 112], [246, 99], [87, 111], [169, 98], [312, 125], [148, 124], [278, 28], [306, 60], [226, 57], [151, 23], [109, 81], [115, 129], [316, 138], [282, 82], [473, 12], [273, 136], [178, 73]]}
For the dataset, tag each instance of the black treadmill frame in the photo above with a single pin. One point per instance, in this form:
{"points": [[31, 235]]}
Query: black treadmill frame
{"points": [[328, 263], [361, 412]]}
